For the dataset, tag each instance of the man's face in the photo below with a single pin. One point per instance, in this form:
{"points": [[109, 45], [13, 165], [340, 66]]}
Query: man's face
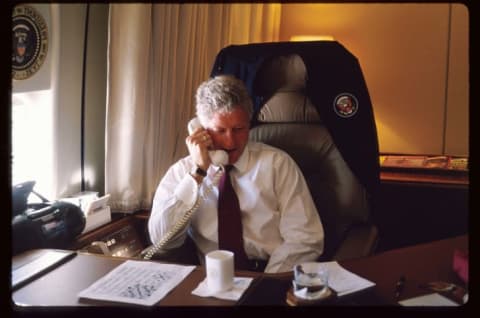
{"points": [[229, 132]]}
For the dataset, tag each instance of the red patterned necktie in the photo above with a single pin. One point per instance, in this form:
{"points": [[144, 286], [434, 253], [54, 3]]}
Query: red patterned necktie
{"points": [[230, 235]]}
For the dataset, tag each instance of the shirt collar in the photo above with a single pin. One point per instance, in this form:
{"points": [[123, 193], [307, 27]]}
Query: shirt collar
{"points": [[241, 163]]}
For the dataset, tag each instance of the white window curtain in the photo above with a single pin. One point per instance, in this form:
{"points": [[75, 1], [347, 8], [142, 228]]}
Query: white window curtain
{"points": [[158, 55]]}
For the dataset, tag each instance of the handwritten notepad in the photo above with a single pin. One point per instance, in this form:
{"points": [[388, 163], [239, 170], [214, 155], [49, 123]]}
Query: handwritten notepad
{"points": [[137, 282]]}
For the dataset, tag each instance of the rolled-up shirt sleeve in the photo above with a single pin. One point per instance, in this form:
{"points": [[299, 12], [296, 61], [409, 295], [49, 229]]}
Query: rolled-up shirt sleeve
{"points": [[176, 193]]}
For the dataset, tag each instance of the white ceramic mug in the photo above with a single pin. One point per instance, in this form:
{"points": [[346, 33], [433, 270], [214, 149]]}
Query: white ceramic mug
{"points": [[220, 270]]}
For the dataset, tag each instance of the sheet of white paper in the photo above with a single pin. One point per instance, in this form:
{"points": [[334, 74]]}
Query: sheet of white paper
{"points": [[434, 299], [137, 282], [343, 281]]}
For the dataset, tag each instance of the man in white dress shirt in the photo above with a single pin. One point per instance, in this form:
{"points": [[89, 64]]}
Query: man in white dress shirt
{"points": [[281, 226]]}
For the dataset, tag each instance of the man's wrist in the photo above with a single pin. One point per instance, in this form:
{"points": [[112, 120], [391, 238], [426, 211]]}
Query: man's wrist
{"points": [[198, 174], [199, 171]]}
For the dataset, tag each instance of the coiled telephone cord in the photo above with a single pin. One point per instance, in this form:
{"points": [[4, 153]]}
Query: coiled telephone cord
{"points": [[180, 225]]}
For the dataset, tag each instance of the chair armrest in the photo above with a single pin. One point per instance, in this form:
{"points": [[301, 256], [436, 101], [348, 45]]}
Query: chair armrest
{"points": [[361, 240]]}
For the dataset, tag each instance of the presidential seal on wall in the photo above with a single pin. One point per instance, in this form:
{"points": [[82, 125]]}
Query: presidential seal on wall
{"points": [[30, 41]]}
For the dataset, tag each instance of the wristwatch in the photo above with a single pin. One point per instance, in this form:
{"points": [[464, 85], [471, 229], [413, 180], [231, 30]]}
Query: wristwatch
{"points": [[199, 171]]}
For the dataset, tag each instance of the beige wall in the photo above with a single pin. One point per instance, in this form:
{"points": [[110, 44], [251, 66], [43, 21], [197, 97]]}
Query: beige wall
{"points": [[404, 51]]}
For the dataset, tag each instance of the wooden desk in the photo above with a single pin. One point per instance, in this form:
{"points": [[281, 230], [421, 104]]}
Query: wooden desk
{"points": [[61, 286], [420, 264]]}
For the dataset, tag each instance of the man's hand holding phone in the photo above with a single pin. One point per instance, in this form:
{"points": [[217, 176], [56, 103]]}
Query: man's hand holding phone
{"points": [[198, 143]]}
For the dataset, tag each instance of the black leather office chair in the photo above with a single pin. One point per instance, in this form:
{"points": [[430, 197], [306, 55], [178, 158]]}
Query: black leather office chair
{"points": [[310, 99]]}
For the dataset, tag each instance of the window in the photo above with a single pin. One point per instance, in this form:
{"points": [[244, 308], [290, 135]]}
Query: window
{"points": [[32, 140]]}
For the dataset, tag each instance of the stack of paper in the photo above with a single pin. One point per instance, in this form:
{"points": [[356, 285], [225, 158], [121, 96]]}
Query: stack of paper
{"points": [[97, 213], [81, 199]]}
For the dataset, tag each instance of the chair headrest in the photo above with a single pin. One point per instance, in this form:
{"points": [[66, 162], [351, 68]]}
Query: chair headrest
{"points": [[287, 72], [283, 79]]}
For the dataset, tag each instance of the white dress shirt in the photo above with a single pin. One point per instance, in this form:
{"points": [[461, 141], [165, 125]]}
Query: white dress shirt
{"points": [[280, 221]]}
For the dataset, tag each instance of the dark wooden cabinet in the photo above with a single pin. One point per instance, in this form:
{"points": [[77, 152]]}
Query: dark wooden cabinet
{"points": [[124, 236], [415, 208]]}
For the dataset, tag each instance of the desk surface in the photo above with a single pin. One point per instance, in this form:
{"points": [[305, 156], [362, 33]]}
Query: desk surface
{"points": [[61, 286], [419, 264]]}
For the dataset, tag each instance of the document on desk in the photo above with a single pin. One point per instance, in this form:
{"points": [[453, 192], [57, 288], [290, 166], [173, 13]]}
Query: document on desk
{"points": [[137, 282], [433, 299], [343, 281]]}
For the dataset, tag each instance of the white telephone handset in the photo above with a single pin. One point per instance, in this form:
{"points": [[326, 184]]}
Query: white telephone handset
{"points": [[218, 157]]}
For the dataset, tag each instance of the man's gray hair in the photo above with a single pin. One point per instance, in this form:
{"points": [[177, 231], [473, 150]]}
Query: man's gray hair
{"points": [[222, 94]]}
